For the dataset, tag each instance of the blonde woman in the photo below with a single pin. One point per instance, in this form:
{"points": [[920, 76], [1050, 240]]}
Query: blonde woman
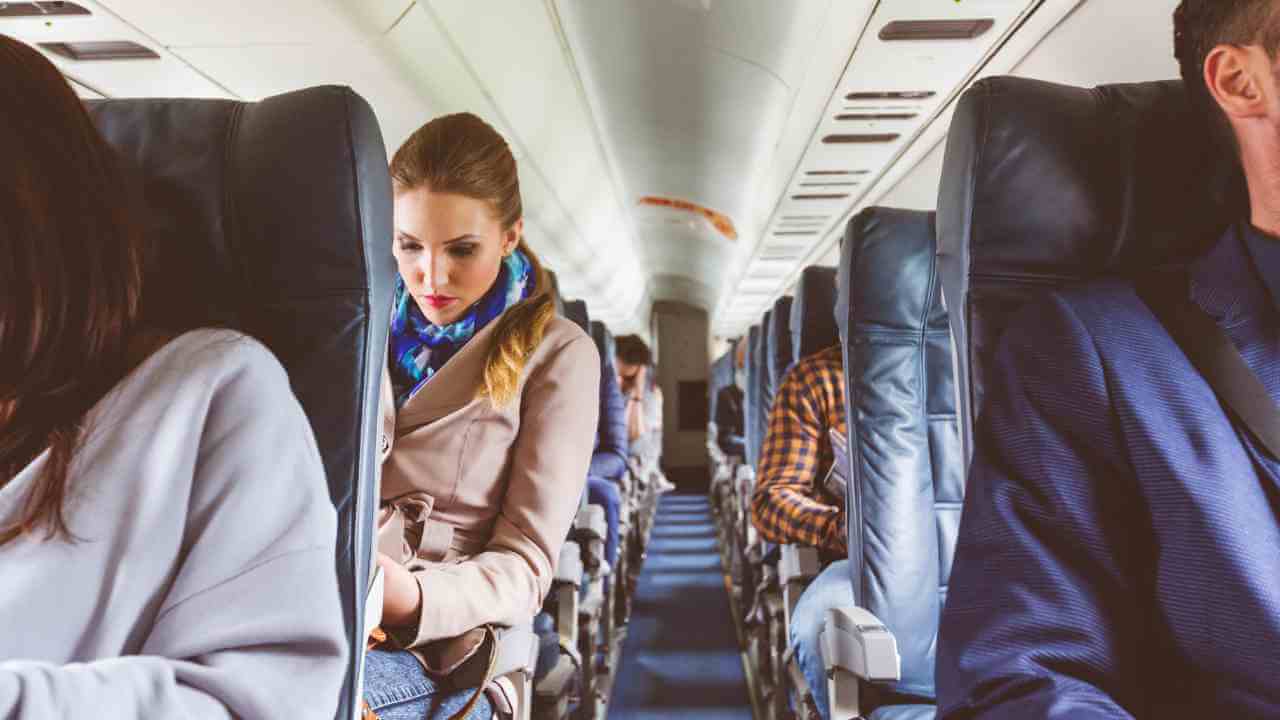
{"points": [[489, 411]]}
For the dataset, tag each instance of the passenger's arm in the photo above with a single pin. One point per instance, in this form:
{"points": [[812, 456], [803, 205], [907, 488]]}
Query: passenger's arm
{"points": [[507, 582], [251, 625], [785, 507], [610, 457], [1045, 618]]}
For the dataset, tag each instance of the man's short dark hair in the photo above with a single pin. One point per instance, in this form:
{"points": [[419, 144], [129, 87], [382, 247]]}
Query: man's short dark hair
{"points": [[632, 350], [1201, 25]]}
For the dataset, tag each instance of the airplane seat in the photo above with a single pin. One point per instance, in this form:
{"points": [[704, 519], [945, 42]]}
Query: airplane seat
{"points": [[906, 483], [759, 379], [778, 353], [555, 292], [1046, 185], [813, 324], [576, 310], [274, 218]]}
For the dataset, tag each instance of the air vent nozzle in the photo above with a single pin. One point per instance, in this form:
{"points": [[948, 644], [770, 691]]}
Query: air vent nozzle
{"points": [[101, 50], [41, 9], [936, 29]]}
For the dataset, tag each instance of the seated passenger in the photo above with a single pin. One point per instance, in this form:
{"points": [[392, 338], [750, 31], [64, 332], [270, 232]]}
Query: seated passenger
{"points": [[490, 405], [166, 533], [789, 505], [609, 461], [639, 386], [1119, 552], [730, 415]]}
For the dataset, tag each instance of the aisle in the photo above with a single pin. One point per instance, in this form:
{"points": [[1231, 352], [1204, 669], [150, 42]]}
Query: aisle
{"points": [[681, 654]]}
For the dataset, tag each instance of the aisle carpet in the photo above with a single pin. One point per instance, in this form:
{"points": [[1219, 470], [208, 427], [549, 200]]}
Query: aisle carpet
{"points": [[681, 656]]}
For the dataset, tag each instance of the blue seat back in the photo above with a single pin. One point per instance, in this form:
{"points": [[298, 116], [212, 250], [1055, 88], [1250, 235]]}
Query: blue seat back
{"points": [[576, 310], [778, 355], [605, 345], [759, 417], [751, 396], [904, 445], [273, 218], [1047, 185], [813, 322], [720, 377]]}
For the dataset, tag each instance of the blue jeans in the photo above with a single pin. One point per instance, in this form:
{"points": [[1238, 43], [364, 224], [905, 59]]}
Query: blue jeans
{"points": [[397, 688], [830, 589], [605, 493]]}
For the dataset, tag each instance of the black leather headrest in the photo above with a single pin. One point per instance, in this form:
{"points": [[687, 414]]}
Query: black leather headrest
{"points": [[576, 310], [274, 218], [604, 345], [813, 320], [879, 238], [780, 355], [1044, 185]]}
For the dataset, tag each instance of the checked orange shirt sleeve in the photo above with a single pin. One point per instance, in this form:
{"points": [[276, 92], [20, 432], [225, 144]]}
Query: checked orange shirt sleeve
{"points": [[788, 506]]}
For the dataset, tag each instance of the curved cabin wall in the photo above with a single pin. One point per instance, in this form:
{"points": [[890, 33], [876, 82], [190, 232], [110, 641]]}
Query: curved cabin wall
{"points": [[680, 335]]}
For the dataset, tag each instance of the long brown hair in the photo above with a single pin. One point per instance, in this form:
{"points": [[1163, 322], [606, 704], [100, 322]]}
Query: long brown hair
{"points": [[71, 265], [463, 154]]}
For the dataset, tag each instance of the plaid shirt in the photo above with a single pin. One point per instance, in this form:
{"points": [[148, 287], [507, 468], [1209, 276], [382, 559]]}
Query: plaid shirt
{"points": [[788, 505]]}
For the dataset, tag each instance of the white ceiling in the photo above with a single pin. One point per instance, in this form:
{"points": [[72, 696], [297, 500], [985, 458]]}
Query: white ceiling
{"points": [[723, 103]]}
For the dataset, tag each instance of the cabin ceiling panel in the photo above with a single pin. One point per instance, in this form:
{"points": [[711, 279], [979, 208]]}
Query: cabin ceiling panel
{"points": [[240, 23], [264, 70], [168, 76], [689, 100], [937, 69]]}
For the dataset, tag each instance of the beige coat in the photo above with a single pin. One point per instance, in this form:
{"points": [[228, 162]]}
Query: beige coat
{"points": [[500, 488]]}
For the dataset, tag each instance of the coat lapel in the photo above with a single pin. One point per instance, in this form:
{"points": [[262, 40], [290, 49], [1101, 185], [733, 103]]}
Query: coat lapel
{"points": [[453, 387]]}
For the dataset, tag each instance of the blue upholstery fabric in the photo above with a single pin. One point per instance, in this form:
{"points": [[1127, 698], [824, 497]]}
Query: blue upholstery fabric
{"points": [[813, 322], [904, 712], [576, 310], [908, 474], [721, 374], [1133, 181], [605, 345], [609, 461], [778, 355], [752, 396], [1117, 554], [758, 415]]}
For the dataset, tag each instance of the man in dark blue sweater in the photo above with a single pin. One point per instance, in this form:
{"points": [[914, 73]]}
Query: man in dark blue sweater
{"points": [[1119, 554]]}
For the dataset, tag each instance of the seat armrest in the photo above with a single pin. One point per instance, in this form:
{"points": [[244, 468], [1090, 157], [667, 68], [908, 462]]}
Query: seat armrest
{"points": [[857, 642], [569, 568], [590, 522], [517, 650], [798, 563]]}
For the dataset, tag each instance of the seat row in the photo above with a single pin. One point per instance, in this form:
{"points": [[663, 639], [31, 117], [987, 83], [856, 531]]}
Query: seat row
{"points": [[1044, 187]]}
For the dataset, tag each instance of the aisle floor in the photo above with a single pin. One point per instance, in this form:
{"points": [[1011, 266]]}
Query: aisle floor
{"points": [[681, 657]]}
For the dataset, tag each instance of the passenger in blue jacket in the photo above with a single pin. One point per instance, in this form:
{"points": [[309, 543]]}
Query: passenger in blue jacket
{"points": [[609, 461], [1119, 554]]}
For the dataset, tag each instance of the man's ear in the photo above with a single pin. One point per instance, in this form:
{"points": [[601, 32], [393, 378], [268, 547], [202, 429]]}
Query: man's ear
{"points": [[1235, 79]]}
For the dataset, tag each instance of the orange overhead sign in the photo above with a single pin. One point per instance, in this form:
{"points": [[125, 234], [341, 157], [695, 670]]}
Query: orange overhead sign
{"points": [[718, 220]]}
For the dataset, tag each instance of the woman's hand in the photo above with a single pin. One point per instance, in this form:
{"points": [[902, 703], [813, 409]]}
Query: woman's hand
{"points": [[401, 594]]}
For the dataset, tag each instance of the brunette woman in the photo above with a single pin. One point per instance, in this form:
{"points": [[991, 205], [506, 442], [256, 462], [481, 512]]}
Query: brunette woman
{"points": [[166, 534]]}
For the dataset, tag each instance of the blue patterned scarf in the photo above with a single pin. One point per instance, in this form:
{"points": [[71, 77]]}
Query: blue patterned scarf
{"points": [[419, 348]]}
